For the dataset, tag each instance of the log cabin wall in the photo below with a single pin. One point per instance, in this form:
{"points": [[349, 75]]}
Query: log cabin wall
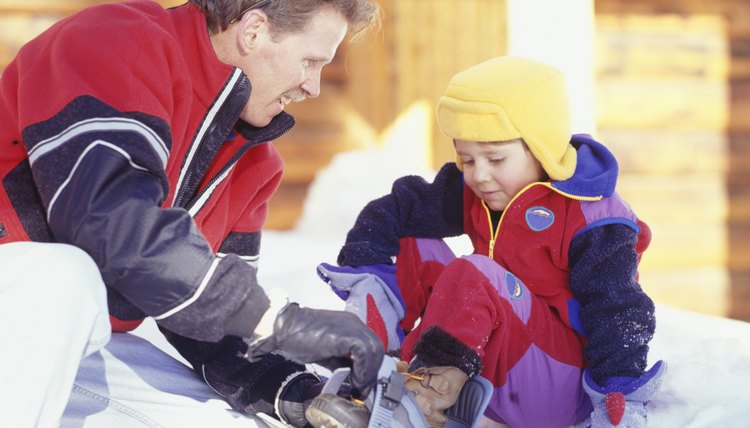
{"points": [[673, 81]]}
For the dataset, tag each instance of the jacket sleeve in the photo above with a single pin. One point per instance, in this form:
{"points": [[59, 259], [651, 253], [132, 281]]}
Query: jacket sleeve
{"points": [[99, 163], [414, 208], [617, 315]]}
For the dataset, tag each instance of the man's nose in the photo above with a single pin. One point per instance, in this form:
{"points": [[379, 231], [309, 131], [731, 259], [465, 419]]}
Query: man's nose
{"points": [[311, 85]]}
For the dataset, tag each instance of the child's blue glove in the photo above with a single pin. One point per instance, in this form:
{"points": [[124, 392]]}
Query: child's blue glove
{"points": [[622, 401], [372, 294]]}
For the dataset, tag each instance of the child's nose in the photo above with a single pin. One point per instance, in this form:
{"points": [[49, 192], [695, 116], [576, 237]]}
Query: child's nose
{"points": [[481, 174]]}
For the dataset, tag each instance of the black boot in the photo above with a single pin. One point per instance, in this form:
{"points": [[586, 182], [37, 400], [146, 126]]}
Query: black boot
{"points": [[294, 398]]}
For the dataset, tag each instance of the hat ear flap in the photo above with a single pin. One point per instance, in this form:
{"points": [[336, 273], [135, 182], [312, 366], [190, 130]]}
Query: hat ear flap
{"points": [[459, 164]]}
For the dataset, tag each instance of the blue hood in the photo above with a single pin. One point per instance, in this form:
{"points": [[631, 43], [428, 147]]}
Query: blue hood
{"points": [[596, 170]]}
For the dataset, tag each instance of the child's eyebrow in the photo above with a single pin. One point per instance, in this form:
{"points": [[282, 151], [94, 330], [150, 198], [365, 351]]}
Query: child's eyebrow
{"points": [[495, 149]]}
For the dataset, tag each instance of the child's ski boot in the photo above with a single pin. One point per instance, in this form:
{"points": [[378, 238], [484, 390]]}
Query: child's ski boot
{"points": [[391, 405]]}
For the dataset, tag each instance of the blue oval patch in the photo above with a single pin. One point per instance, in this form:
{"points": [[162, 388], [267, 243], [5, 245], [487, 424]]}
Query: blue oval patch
{"points": [[539, 218], [514, 286]]}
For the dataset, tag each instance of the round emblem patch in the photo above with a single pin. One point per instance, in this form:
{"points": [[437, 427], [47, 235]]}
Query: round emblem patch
{"points": [[539, 218], [514, 286]]}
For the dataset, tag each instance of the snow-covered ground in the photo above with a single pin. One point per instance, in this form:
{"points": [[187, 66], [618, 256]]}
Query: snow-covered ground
{"points": [[708, 379]]}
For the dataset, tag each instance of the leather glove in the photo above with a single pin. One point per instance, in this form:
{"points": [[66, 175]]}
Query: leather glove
{"points": [[331, 339], [371, 293], [621, 402]]}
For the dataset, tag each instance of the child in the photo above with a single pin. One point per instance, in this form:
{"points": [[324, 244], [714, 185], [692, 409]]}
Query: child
{"points": [[548, 307]]}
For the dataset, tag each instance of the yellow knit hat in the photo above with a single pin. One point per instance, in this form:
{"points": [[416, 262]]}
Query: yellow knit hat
{"points": [[511, 97]]}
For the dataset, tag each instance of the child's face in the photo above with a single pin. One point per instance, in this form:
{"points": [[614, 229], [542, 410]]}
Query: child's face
{"points": [[497, 171]]}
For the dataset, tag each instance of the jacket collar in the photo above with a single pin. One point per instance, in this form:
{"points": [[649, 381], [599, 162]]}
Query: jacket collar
{"points": [[596, 170]]}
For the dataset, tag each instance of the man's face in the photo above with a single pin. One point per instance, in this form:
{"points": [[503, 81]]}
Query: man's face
{"points": [[288, 68]]}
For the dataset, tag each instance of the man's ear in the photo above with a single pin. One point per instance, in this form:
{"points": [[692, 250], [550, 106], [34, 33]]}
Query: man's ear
{"points": [[254, 24]]}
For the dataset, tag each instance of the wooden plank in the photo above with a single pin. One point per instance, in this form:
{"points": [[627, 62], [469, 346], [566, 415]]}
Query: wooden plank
{"points": [[740, 53], [687, 215], [663, 152], [307, 151], [685, 103], [739, 120], [739, 200], [285, 207], [739, 160], [325, 110], [665, 45], [739, 245], [735, 12], [739, 294], [703, 289], [687, 246], [685, 200]]}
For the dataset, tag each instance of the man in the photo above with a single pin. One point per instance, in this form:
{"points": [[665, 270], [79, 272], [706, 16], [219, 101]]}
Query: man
{"points": [[135, 158]]}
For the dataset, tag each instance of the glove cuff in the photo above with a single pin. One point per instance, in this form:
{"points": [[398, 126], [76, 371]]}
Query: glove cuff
{"points": [[278, 300], [295, 395], [436, 347]]}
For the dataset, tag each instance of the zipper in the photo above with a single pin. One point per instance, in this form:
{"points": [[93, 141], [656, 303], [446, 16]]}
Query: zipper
{"points": [[493, 232], [238, 80], [188, 179], [496, 231], [220, 174]]}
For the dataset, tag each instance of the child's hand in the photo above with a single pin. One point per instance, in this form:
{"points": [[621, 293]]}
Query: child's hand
{"points": [[622, 400], [372, 294]]}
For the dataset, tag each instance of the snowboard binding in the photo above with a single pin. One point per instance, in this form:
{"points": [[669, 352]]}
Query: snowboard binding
{"points": [[391, 405]]}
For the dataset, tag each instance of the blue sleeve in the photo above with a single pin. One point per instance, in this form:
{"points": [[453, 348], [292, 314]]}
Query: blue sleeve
{"points": [[617, 315], [100, 173], [414, 208]]}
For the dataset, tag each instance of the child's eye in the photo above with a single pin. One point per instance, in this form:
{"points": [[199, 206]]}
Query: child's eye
{"points": [[497, 160], [467, 162]]}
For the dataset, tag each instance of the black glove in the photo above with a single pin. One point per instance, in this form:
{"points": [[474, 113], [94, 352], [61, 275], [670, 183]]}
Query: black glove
{"points": [[331, 339]]}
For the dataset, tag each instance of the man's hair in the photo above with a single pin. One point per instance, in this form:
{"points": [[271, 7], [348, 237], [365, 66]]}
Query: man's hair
{"points": [[290, 16]]}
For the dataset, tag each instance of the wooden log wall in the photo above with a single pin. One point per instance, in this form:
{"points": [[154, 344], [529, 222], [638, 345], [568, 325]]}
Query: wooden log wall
{"points": [[422, 45], [674, 101]]}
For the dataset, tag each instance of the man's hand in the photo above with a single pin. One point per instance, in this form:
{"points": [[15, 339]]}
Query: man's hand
{"points": [[330, 338]]}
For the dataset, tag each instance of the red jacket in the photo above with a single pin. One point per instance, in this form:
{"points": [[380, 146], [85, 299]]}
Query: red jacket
{"points": [[119, 134]]}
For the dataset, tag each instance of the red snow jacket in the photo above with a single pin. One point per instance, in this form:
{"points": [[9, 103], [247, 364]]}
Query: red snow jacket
{"points": [[119, 134]]}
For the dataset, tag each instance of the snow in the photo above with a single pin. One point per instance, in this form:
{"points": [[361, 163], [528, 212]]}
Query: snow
{"points": [[708, 378]]}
